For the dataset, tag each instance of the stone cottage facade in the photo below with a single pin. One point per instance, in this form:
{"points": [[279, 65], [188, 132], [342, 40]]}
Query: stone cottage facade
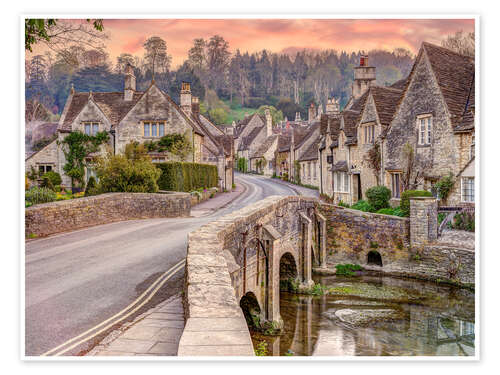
{"points": [[435, 119], [134, 116]]}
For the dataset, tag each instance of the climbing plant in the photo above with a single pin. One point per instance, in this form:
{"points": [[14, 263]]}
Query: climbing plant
{"points": [[297, 171], [444, 186], [76, 147], [374, 158]]}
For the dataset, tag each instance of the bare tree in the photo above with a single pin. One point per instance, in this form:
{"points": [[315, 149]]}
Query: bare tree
{"points": [[411, 177], [463, 43], [59, 35]]}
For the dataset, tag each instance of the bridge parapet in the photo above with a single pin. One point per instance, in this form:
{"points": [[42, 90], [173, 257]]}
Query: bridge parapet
{"points": [[237, 255]]}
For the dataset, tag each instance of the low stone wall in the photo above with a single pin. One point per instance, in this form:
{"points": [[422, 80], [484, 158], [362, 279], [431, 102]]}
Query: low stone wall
{"points": [[215, 323], [204, 195], [56, 217]]}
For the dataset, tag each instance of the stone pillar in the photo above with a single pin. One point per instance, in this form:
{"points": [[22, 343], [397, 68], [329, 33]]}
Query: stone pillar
{"points": [[306, 243], [271, 239], [423, 221]]}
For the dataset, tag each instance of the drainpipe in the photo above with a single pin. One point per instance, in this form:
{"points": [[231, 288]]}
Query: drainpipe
{"points": [[321, 171]]}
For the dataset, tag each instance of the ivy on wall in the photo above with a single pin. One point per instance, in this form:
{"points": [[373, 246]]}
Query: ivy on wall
{"points": [[76, 146]]}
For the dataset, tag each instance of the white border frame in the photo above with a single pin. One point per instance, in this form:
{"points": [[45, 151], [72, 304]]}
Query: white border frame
{"points": [[255, 15]]}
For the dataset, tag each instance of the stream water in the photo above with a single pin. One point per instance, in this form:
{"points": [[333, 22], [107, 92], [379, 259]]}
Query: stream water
{"points": [[375, 316]]}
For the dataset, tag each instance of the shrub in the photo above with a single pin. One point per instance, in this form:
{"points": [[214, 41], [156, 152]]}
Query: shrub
{"points": [[47, 183], [37, 195], [464, 221], [183, 176], [118, 174], [363, 205], [386, 211], [405, 199], [398, 212], [54, 177], [342, 204], [378, 197], [347, 269], [91, 188], [26, 182]]}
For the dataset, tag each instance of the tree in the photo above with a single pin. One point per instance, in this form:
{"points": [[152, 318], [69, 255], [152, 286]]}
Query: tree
{"points": [[218, 61], [58, 35], [463, 43], [197, 57], [156, 56], [218, 115], [276, 114], [122, 61], [411, 177]]}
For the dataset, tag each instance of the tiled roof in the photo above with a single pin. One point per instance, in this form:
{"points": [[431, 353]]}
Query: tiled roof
{"points": [[386, 101], [350, 123], [454, 74], [340, 166], [264, 147], [400, 85], [284, 142], [111, 104], [246, 141], [241, 125], [310, 130], [311, 153], [466, 122]]}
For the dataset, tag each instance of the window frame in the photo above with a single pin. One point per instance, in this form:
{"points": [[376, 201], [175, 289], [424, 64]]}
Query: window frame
{"points": [[341, 180], [424, 135], [156, 128], [395, 180], [93, 127], [471, 190]]}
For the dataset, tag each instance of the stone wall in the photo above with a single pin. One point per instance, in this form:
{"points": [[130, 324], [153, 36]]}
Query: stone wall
{"points": [[352, 234], [56, 217], [204, 195], [408, 247]]}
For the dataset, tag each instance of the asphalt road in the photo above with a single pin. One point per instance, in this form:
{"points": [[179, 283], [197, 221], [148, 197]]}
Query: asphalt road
{"points": [[76, 280]]}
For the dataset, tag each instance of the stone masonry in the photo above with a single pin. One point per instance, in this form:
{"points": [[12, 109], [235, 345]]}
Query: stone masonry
{"points": [[56, 217]]}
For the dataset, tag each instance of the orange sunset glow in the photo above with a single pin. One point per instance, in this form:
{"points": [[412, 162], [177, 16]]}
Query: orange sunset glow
{"points": [[276, 35]]}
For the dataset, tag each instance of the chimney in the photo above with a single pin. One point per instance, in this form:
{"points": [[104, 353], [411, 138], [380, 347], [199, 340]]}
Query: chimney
{"points": [[364, 76], [186, 97], [195, 105], [311, 115], [128, 92], [332, 107], [269, 122]]}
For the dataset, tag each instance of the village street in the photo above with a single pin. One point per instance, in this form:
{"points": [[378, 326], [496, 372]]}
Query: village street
{"points": [[75, 281]]}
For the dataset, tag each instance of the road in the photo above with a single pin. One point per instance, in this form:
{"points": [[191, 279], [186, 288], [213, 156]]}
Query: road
{"points": [[77, 280]]}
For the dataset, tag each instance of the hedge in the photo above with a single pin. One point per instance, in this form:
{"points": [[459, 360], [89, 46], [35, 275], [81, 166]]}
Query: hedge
{"points": [[378, 197], [405, 199], [183, 176]]}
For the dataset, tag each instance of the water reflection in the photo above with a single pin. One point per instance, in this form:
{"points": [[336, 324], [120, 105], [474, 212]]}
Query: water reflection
{"points": [[439, 321]]}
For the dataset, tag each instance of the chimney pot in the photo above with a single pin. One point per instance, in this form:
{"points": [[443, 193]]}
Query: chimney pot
{"points": [[128, 92]]}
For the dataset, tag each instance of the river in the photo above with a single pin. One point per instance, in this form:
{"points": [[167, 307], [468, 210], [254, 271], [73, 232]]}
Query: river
{"points": [[374, 315]]}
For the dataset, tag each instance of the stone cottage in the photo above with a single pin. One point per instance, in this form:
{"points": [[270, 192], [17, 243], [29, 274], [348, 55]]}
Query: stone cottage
{"points": [[133, 115], [435, 120]]}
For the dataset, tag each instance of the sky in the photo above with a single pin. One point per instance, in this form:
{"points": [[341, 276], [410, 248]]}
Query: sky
{"points": [[277, 35]]}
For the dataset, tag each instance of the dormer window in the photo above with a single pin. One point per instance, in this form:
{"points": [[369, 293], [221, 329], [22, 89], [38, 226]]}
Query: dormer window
{"points": [[424, 124], [154, 128], [91, 128]]}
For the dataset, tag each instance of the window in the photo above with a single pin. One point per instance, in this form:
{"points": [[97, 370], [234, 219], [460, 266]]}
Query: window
{"points": [[91, 128], [314, 169], [42, 169], [329, 159], [396, 185], [369, 134], [424, 130], [468, 189], [154, 128], [472, 147], [158, 160], [309, 170], [341, 182]]}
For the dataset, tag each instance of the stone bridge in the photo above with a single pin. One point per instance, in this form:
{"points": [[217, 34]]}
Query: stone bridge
{"points": [[234, 267]]}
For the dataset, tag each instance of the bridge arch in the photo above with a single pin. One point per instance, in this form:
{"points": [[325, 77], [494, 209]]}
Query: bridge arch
{"points": [[288, 267], [374, 258], [251, 309]]}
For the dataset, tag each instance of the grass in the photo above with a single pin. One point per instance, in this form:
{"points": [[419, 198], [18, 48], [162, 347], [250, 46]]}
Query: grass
{"points": [[238, 113], [347, 269], [261, 349]]}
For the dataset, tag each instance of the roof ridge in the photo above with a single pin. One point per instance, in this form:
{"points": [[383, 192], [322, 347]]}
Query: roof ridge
{"points": [[432, 45]]}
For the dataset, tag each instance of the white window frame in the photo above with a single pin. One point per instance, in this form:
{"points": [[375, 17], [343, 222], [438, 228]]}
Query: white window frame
{"points": [[424, 129], [342, 183], [464, 198]]}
